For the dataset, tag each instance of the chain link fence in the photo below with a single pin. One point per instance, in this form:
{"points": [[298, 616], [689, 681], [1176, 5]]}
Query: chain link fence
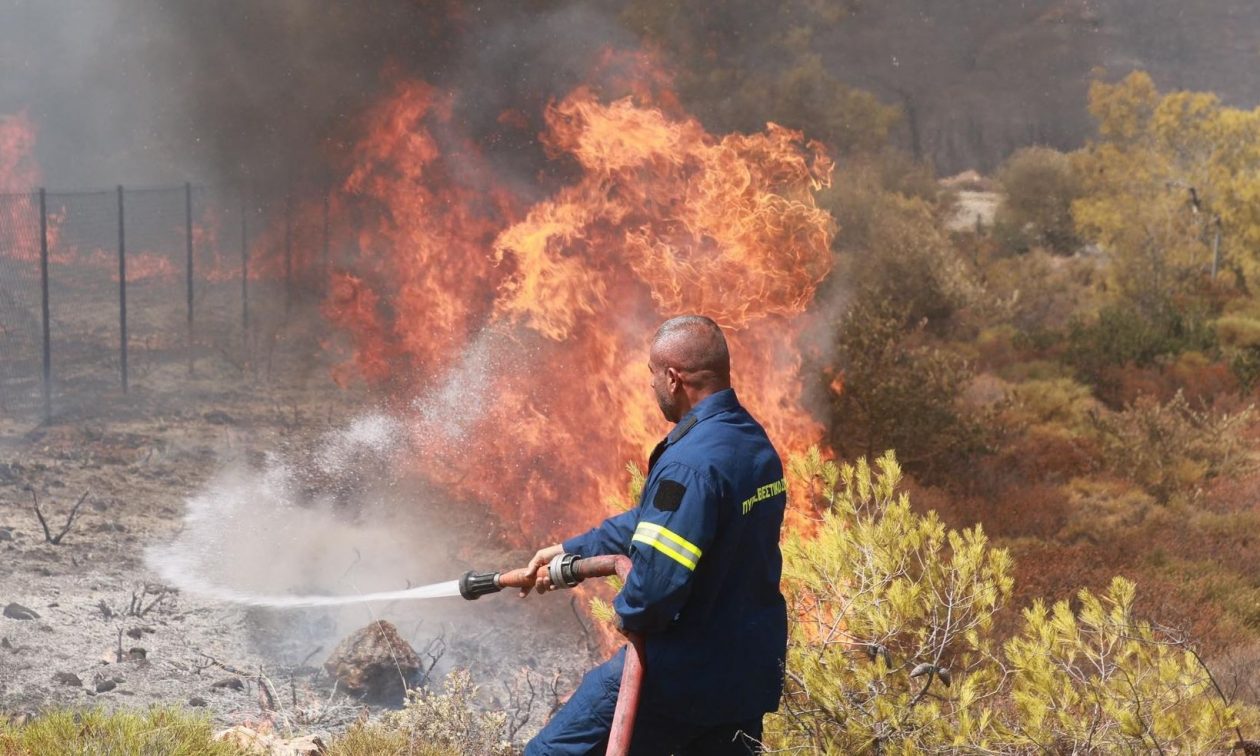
{"points": [[106, 293]]}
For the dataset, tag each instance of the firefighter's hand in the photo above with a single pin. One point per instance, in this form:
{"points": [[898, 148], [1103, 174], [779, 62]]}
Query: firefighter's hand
{"points": [[540, 560]]}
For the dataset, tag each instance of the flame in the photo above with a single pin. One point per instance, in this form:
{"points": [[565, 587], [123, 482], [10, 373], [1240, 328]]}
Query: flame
{"points": [[20, 174], [427, 219], [18, 170], [538, 318]]}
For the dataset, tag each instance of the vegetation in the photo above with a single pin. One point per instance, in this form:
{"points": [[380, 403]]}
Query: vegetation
{"points": [[893, 648], [1039, 186], [432, 723], [1069, 391], [157, 731]]}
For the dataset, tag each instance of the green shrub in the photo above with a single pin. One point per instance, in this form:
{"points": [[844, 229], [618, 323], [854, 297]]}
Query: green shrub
{"points": [[1171, 448], [156, 732], [1038, 188], [449, 722], [1099, 680], [1060, 401], [1122, 334], [892, 650], [900, 394], [1238, 331]]}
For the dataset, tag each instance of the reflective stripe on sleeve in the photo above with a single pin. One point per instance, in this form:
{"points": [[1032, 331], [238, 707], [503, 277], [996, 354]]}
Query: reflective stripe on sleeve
{"points": [[668, 543]]}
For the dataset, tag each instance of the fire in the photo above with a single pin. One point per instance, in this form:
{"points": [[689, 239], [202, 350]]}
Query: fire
{"points": [[556, 302], [19, 172], [427, 218]]}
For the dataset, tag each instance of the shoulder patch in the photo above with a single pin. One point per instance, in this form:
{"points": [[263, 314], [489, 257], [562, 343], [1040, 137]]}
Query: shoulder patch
{"points": [[669, 495]]}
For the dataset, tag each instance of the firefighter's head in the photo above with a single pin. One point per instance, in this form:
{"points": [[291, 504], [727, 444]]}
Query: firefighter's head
{"points": [[688, 361]]}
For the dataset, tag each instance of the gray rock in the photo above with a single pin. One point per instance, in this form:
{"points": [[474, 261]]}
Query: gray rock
{"points": [[197, 701], [374, 663], [19, 612], [68, 678], [105, 686], [230, 683]]}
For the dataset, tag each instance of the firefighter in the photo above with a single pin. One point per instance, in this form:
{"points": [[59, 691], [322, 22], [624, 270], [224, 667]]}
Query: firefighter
{"points": [[704, 588]]}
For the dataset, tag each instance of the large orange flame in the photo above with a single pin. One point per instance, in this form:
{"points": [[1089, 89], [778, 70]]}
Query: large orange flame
{"points": [[525, 333]]}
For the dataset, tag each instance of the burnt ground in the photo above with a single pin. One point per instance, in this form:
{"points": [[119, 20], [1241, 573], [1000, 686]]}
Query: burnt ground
{"points": [[110, 633]]}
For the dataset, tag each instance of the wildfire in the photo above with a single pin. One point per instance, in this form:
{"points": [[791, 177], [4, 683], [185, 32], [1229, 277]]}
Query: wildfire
{"points": [[18, 171], [557, 300], [18, 174]]}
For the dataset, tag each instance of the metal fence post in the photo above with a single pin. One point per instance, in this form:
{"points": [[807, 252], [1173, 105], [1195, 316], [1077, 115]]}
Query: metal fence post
{"points": [[122, 289], [288, 251], [188, 236], [244, 284], [43, 286], [324, 268]]}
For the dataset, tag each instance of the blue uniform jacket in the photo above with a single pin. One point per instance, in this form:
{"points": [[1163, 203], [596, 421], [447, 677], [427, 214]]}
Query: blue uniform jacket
{"points": [[704, 590]]}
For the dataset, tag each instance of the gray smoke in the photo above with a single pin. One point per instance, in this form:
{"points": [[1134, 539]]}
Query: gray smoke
{"points": [[160, 91]]}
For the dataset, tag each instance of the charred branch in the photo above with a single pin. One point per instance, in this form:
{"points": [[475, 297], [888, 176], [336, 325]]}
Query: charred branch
{"points": [[55, 540]]}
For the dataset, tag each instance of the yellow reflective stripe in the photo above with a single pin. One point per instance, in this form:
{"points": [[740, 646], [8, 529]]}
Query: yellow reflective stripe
{"points": [[652, 527], [661, 539]]}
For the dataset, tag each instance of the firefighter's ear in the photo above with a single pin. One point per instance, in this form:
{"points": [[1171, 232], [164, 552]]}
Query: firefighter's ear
{"points": [[673, 380]]}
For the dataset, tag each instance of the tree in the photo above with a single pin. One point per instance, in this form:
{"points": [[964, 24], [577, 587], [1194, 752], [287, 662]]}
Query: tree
{"points": [[1164, 176], [1039, 186], [737, 81], [895, 392]]}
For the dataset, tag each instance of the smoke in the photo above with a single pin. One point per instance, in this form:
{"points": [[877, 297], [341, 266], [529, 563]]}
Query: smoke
{"points": [[337, 518], [152, 91], [267, 530]]}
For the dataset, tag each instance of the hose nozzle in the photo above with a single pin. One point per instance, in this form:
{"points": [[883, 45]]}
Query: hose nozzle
{"points": [[474, 585]]}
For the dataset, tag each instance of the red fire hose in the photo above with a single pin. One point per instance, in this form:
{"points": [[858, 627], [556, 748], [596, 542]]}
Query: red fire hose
{"points": [[566, 571]]}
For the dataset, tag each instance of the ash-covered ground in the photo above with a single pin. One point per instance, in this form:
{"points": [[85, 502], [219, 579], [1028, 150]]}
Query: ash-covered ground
{"points": [[91, 622]]}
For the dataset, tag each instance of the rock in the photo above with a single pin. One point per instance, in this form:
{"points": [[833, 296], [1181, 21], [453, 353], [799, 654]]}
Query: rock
{"points": [[232, 683], [19, 612], [68, 678], [105, 686], [218, 417], [252, 741], [197, 701], [136, 653], [6, 534], [374, 663], [136, 633]]}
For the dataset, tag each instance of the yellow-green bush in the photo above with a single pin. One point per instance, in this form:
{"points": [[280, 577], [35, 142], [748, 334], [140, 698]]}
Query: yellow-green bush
{"points": [[1238, 331], [1060, 401], [892, 650], [156, 732], [1171, 448], [449, 723]]}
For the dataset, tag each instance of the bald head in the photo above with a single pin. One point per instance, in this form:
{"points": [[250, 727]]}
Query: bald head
{"points": [[689, 361], [695, 346]]}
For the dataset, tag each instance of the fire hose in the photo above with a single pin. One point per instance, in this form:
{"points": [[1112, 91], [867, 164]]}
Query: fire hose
{"points": [[566, 571]]}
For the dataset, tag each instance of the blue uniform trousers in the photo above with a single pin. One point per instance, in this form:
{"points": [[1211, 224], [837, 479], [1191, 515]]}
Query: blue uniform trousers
{"points": [[582, 726]]}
